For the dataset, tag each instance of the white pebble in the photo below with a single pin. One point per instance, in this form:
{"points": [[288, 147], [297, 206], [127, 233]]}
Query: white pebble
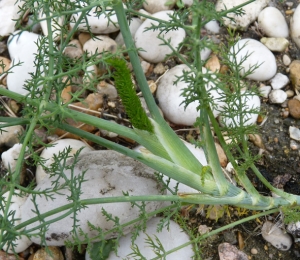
{"points": [[152, 48], [170, 98], [286, 60], [242, 22], [276, 236], [294, 133], [277, 96], [272, 23], [104, 23], [170, 238], [100, 44], [10, 11], [23, 48], [279, 81], [22, 242], [10, 157], [58, 146], [295, 26], [265, 91], [106, 174], [212, 27], [154, 6], [249, 102], [253, 53]]}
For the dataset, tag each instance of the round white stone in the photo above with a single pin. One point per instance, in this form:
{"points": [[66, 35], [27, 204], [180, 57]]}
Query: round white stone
{"points": [[276, 236], [21, 242], [277, 96], [99, 45], [99, 24], [295, 26], [170, 99], [154, 6], [253, 53], [152, 48], [272, 23], [212, 27], [286, 60], [107, 174], [22, 48], [249, 102], [58, 146], [10, 11], [170, 238], [10, 157]]}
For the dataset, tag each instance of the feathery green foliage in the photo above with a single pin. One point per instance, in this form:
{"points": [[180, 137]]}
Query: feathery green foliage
{"points": [[130, 100]]}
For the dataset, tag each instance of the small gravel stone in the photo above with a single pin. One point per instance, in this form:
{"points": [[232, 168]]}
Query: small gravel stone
{"points": [[275, 44], [294, 133], [294, 108], [286, 60], [290, 93], [230, 252], [294, 145], [53, 253], [9, 136], [265, 91], [295, 74], [294, 229], [203, 229], [272, 23], [279, 81], [277, 96], [254, 251], [73, 50]]}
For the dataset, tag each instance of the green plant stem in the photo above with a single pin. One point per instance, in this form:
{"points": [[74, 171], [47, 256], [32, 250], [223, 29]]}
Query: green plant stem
{"points": [[141, 79], [135, 61], [242, 177], [210, 149]]}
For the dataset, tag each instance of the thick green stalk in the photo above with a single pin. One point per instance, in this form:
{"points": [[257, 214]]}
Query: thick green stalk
{"points": [[210, 149], [242, 178], [141, 79]]}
